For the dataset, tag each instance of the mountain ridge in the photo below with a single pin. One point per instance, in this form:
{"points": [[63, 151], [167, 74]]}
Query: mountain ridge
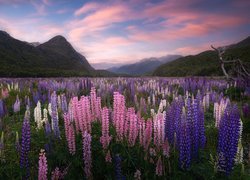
{"points": [[205, 63], [143, 66], [56, 57]]}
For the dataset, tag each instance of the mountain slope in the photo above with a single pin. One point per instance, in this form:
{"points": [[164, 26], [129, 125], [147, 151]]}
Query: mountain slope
{"points": [[205, 63], [144, 66], [53, 58]]}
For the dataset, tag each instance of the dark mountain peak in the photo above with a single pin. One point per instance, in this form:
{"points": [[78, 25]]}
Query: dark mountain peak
{"points": [[58, 38], [3, 33], [57, 42], [244, 43], [53, 57]]}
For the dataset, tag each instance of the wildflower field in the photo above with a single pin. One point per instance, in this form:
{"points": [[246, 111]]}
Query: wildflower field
{"points": [[124, 128]]}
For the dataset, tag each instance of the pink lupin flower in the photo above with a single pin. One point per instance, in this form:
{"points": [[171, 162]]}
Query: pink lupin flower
{"points": [[108, 157], [158, 130], [5, 93], [137, 175], [43, 167], [133, 130], [87, 154], [58, 174], [89, 117], [147, 134], [70, 133], [141, 123], [122, 111], [159, 167], [166, 148], [119, 115], [75, 113], [105, 138]]}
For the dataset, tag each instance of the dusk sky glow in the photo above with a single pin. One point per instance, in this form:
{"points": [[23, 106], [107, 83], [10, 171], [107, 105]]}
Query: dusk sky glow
{"points": [[121, 31]]}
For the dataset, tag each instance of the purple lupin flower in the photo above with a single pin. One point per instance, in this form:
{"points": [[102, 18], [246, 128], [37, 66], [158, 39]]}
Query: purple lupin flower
{"points": [[201, 127], [184, 143], [228, 138], [2, 112], [64, 103], [87, 154], [54, 115], [195, 128], [118, 168], [16, 106], [25, 147]]}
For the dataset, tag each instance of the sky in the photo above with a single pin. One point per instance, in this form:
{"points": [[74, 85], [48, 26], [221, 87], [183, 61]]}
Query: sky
{"points": [[124, 31]]}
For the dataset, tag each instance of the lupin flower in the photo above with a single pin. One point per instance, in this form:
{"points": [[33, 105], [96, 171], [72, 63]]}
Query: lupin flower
{"points": [[43, 167], [184, 143], [119, 115], [16, 106], [229, 131], [118, 168], [64, 103], [87, 154], [105, 138], [239, 155], [2, 112], [137, 175], [46, 121], [133, 129], [108, 157], [5, 93], [166, 148], [54, 115], [25, 146], [159, 136], [70, 133], [58, 174], [159, 167], [147, 137], [38, 115]]}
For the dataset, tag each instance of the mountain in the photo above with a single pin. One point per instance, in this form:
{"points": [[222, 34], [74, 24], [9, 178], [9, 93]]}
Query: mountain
{"points": [[55, 57], [105, 65], [205, 63], [35, 44], [144, 66]]}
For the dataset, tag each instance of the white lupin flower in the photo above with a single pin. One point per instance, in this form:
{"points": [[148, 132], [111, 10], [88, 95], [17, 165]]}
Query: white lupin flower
{"points": [[27, 113], [38, 115], [149, 102], [152, 112], [45, 115], [239, 155], [153, 99], [49, 109]]}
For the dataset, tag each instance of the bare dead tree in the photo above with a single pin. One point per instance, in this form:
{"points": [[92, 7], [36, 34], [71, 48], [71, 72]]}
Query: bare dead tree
{"points": [[238, 69]]}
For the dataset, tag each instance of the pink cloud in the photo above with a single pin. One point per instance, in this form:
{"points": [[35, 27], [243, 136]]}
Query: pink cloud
{"points": [[98, 21], [87, 8]]}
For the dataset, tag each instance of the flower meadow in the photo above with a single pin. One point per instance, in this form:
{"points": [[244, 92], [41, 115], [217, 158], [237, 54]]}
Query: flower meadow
{"points": [[124, 128]]}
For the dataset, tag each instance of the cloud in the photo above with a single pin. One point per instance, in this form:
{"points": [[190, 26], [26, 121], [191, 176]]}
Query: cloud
{"points": [[97, 21], [87, 8]]}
